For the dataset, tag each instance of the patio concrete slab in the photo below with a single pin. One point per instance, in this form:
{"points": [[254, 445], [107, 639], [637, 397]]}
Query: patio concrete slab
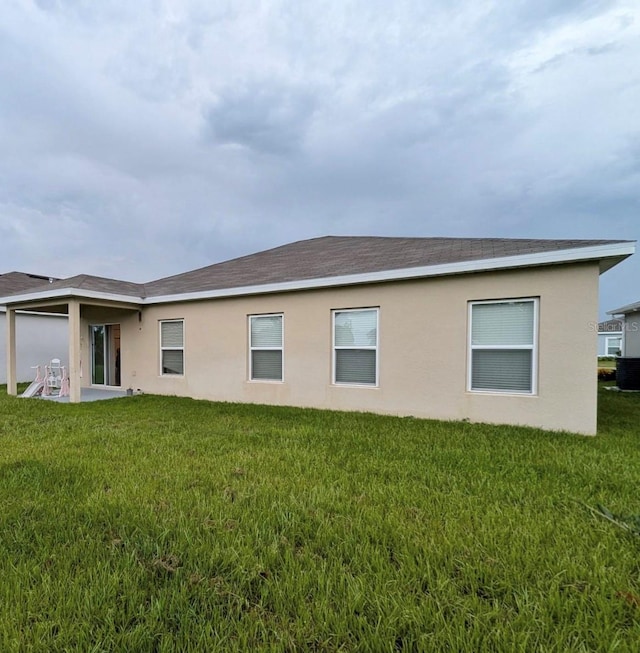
{"points": [[91, 394]]}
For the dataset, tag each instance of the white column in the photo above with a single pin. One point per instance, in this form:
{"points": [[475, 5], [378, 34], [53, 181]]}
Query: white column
{"points": [[74, 351], [12, 381]]}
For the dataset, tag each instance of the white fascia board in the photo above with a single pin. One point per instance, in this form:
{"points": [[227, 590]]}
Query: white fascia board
{"points": [[483, 265], [67, 293], [623, 310]]}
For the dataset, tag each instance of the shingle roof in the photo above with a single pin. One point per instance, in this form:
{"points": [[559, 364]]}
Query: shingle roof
{"points": [[331, 256], [610, 326], [325, 257], [14, 282]]}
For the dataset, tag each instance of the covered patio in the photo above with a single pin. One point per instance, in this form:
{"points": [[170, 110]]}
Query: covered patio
{"points": [[84, 308]]}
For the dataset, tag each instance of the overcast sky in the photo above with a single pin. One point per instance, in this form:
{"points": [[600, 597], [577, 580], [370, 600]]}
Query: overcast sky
{"points": [[141, 139]]}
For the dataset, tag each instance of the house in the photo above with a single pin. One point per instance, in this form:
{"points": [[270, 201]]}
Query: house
{"points": [[41, 336], [446, 328], [630, 325], [610, 338]]}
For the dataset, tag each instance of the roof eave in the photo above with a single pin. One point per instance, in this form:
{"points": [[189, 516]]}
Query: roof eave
{"points": [[68, 293], [607, 255], [623, 310]]}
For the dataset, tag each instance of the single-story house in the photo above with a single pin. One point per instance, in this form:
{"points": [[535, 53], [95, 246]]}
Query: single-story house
{"points": [[446, 328], [41, 336], [630, 325], [610, 338]]}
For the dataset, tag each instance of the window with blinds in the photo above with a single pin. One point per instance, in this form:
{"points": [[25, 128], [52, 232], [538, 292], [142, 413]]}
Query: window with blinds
{"points": [[355, 346], [503, 346], [172, 347], [266, 347]]}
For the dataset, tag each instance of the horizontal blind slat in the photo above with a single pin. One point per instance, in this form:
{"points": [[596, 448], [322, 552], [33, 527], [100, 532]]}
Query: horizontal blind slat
{"points": [[508, 323], [266, 365], [171, 334], [266, 331], [502, 369], [356, 366]]}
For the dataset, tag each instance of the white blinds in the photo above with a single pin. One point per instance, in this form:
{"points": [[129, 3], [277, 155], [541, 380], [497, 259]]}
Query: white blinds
{"points": [[501, 369], [266, 331], [173, 361], [502, 324], [356, 344], [171, 334], [356, 328], [266, 364], [266, 345], [502, 346], [356, 366]]}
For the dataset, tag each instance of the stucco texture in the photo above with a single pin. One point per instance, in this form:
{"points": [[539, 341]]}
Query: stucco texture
{"points": [[423, 350]]}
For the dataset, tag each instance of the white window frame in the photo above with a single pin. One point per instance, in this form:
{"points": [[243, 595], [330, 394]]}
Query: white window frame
{"points": [[335, 348], [252, 348], [606, 344], [182, 349], [533, 348]]}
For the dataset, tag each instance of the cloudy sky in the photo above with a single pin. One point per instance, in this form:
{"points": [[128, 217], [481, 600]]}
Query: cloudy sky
{"points": [[141, 139]]}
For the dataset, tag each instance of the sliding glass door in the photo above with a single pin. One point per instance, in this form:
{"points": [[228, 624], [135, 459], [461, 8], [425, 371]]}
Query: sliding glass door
{"points": [[105, 354]]}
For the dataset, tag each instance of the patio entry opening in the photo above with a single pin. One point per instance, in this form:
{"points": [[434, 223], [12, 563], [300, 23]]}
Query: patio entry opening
{"points": [[105, 354]]}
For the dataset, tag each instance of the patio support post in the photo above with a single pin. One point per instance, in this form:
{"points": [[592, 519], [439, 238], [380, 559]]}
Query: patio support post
{"points": [[74, 351], [12, 381]]}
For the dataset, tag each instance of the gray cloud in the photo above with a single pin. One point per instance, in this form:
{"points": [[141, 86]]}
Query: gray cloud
{"points": [[139, 140], [263, 118]]}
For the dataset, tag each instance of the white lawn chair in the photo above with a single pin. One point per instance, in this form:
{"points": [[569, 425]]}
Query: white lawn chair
{"points": [[53, 378]]}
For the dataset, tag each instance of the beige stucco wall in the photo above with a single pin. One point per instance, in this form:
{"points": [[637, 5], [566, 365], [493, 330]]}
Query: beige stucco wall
{"points": [[422, 348]]}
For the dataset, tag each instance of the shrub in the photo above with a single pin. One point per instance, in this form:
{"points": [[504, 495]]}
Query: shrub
{"points": [[606, 374]]}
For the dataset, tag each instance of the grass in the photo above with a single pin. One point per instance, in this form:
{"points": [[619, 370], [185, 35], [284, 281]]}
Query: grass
{"points": [[166, 524]]}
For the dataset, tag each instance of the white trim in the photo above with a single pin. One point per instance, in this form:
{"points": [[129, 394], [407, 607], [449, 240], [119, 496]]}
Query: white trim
{"points": [[571, 255], [334, 347], [64, 293], [612, 337], [3, 309], [252, 348], [623, 310], [182, 349], [533, 348]]}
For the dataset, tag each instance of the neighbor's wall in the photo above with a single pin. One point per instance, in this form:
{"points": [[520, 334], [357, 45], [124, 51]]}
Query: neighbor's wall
{"points": [[631, 342], [422, 349], [602, 341], [39, 338]]}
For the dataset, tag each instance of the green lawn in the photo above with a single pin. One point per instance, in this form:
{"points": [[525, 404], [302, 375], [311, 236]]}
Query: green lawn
{"points": [[166, 524]]}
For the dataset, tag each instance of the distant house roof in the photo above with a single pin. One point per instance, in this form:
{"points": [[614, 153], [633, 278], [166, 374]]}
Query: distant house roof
{"points": [[14, 282], [342, 260], [623, 310], [610, 326]]}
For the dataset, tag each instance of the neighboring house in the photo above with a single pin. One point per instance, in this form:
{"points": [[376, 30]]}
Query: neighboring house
{"points": [[630, 319], [41, 336], [446, 328], [610, 338]]}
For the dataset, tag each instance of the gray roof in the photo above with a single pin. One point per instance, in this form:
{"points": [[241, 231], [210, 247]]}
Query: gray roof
{"points": [[332, 256], [326, 257], [15, 282], [610, 326]]}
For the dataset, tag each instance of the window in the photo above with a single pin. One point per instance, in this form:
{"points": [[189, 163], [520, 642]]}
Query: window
{"points": [[172, 347], [266, 347], [355, 346], [614, 346], [503, 346]]}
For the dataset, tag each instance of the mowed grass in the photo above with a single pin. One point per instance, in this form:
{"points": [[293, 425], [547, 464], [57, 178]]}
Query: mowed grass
{"points": [[167, 524]]}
